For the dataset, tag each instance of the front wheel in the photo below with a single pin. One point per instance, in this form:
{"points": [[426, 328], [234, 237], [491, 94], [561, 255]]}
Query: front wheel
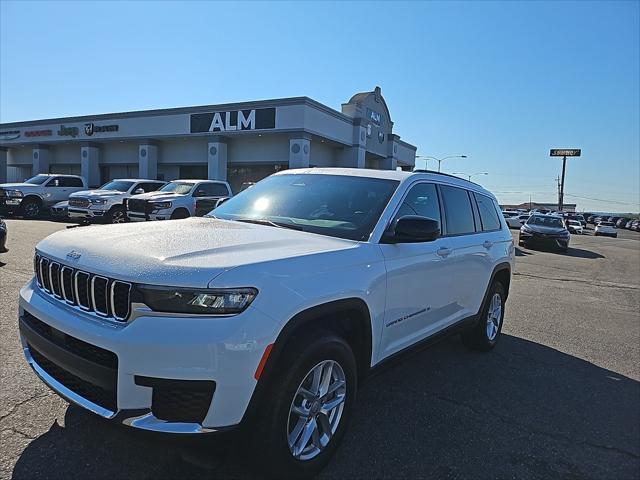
{"points": [[116, 215], [311, 402], [484, 335], [30, 208]]}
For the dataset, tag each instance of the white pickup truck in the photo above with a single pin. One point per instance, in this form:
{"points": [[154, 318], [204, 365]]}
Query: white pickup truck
{"points": [[42, 191], [106, 204], [178, 199]]}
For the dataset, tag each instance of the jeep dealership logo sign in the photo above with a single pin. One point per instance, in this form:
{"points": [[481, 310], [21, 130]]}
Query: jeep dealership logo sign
{"points": [[234, 120]]}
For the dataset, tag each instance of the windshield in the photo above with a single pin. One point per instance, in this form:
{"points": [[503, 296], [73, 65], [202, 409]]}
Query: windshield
{"points": [[117, 185], [575, 223], [606, 224], [177, 187], [38, 179], [335, 205], [545, 221]]}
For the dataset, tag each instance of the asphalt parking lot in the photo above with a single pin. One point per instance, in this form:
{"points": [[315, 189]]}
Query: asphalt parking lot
{"points": [[559, 397]]}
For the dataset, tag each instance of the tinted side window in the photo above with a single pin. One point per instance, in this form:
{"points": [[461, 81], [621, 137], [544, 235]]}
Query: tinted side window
{"points": [[422, 199], [457, 210], [488, 214], [211, 190]]}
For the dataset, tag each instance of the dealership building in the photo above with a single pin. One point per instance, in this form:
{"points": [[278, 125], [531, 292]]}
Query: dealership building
{"points": [[239, 142]]}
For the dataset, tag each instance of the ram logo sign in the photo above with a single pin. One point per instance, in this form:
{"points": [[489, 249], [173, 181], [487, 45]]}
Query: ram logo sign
{"points": [[234, 120]]}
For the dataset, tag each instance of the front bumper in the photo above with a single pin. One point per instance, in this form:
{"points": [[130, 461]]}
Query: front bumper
{"points": [[155, 215], [549, 241], [87, 213], [160, 348]]}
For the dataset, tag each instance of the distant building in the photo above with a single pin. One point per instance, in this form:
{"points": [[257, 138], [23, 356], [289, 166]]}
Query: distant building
{"points": [[567, 207], [240, 142]]}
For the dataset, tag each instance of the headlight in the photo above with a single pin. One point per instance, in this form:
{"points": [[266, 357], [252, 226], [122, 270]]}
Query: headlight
{"points": [[98, 201], [161, 205], [14, 193], [226, 301]]}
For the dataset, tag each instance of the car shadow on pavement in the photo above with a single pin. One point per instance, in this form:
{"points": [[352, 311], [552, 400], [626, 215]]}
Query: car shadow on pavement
{"points": [[523, 410], [522, 253], [581, 253]]}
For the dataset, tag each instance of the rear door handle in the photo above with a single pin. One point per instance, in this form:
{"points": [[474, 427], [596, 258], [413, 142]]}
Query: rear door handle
{"points": [[487, 244], [444, 252]]}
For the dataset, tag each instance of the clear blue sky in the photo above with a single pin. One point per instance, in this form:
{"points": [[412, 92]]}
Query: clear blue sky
{"points": [[501, 82]]}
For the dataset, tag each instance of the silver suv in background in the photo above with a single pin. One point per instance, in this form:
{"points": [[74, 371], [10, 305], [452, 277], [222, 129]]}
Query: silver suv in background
{"points": [[178, 199], [107, 202], [30, 197]]}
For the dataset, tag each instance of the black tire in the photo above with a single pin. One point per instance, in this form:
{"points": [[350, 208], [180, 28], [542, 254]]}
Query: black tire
{"points": [[477, 337], [180, 213], [30, 208], [274, 458], [117, 215]]}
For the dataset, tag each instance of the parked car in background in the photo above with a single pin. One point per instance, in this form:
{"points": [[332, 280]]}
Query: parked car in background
{"points": [[575, 226], [3, 236], [31, 197], [622, 221], [635, 226], [606, 229], [60, 211], [546, 231], [178, 199], [512, 219], [246, 185], [591, 219], [106, 204], [265, 316]]}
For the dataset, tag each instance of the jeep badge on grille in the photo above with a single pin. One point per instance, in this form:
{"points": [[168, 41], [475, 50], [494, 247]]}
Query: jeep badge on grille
{"points": [[73, 255]]}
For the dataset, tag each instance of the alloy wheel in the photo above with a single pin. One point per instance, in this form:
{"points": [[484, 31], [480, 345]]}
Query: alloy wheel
{"points": [[316, 410], [31, 210], [118, 217], [494, 316]]}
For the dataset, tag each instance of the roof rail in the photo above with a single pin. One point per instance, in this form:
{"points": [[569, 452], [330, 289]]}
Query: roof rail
{"points": [[422, 170]]}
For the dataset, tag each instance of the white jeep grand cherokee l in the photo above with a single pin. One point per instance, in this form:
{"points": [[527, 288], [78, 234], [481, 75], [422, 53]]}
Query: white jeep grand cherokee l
{"points": [[271, 310]]}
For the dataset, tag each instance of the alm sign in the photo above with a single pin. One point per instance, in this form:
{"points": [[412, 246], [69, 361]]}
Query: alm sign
{"points": [[234, 120]]}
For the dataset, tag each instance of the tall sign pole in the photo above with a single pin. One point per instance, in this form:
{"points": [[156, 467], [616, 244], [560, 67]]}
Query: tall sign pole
{"points": [[564, 153]]}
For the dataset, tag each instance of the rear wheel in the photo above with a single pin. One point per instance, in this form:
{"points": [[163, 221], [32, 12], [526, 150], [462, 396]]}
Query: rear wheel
{"points": [[310, 404], [30, 208], [485, 334]]}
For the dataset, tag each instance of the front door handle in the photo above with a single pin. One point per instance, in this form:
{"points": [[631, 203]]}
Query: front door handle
{"points": [[444, 252], [487, 244]]}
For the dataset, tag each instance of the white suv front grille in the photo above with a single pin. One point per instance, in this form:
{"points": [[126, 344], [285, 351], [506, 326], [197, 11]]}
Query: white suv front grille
{"points": [[107, 298]]}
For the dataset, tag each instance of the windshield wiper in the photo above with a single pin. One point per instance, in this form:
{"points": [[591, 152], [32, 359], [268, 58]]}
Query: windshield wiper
{"points": [[264, 221]]}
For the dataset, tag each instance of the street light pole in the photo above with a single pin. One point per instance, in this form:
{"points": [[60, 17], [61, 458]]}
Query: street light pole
{"points": [[469, 175], [444, 158]]}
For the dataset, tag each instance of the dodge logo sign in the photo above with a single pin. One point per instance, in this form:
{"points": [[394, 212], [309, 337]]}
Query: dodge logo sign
{"points": [[234, 120]]}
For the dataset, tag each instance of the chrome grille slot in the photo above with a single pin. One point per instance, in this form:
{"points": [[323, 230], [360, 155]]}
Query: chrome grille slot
{"points": [[66, 281], [82, 290], [102, 296], [120, 305], [36, 267], [54, 277], [44, 273]]}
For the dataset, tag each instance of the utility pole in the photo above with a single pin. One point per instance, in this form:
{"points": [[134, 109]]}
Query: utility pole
{"points": [[564, 153]]}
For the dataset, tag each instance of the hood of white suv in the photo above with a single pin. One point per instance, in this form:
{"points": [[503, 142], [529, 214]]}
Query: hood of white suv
{"points": [[157, 195], [20, 186], [189, 252], [97, 193]]}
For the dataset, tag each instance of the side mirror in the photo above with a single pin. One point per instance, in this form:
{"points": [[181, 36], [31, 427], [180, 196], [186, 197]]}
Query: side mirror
{"points": [[138, 191], [221, 201], [412, 229]]}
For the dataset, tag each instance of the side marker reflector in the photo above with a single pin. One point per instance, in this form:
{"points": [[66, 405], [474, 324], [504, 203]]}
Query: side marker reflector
{"points": [[263, 361]]}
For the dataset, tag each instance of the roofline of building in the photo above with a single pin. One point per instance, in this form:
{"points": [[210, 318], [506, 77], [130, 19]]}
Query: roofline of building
{"points": [[187, 110]]}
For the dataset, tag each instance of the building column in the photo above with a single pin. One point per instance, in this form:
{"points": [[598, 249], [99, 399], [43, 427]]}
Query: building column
{"points": [[391, 161], [217, 159], [148, 161], [355, 156], [40, 159], [3, 164], [299, 152], [90, 163]]}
